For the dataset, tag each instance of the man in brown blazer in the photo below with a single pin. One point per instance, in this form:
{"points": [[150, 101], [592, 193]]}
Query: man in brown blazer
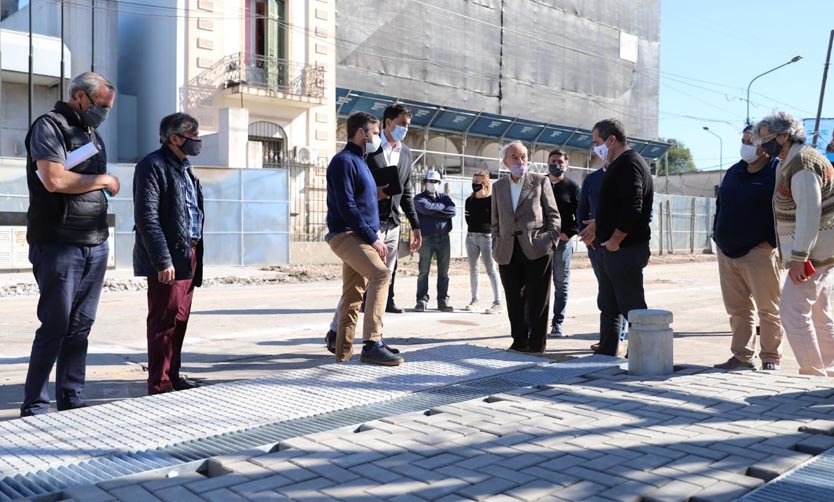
{"points": [[525, 227]]}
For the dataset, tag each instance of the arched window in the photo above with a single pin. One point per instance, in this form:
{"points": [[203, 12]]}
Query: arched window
{"points": [[274, 142]]}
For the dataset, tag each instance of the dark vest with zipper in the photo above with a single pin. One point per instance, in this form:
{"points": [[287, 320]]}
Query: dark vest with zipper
{"points": [[79, 219]]}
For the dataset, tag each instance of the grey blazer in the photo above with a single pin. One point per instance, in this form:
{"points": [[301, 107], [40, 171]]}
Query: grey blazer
{"points": [[535, 221]]}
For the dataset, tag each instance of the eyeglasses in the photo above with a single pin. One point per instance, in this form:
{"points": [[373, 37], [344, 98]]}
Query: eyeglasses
{"points": [[765, 139]]}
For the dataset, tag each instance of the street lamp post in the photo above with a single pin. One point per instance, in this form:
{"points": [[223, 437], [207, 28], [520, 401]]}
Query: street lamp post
{"points": [[720, 154], [793, 60]]}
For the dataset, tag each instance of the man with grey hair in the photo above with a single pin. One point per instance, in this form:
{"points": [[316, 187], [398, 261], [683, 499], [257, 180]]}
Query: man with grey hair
{"points": [[66, 228], [525, 227], [803, 207], [169, 217]]}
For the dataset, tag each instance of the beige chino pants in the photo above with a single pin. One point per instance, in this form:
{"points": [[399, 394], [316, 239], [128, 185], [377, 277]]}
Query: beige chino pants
{"points": [[750, 286], [361, 267]]}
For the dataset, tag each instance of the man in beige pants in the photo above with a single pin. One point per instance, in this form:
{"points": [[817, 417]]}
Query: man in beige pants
{"points": [[747, 258], [353, 226]]}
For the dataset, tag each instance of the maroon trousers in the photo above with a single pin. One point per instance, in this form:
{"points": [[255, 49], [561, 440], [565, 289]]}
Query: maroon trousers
{"points": [[169, 307]]}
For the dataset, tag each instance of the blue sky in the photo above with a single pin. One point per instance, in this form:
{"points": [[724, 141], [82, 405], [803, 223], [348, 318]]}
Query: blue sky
{"points": [[711, 49]]}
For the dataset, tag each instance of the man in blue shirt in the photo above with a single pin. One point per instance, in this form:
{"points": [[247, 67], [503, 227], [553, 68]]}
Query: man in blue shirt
{"points": [[748, 262], [352, 224]]}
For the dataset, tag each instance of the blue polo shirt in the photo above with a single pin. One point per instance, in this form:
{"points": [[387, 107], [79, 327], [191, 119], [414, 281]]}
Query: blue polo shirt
{"points": [[351, 195]]}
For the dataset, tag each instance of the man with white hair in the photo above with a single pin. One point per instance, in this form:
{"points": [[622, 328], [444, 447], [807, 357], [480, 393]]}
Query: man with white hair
{"points": [[525, 227], [803, 206], [436, 210]]}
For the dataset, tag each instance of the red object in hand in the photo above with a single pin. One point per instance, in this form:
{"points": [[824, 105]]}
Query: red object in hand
{"points": [[809, 269]]}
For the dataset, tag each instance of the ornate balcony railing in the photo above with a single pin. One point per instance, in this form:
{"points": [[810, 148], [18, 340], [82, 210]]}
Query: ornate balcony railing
{"points": [[277, 77]]}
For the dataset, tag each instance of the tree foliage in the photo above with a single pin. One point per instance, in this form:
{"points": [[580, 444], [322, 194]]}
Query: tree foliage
{"points": [[680, 159]]}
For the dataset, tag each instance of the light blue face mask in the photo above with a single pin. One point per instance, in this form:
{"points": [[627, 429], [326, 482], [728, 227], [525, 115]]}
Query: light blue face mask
{"points": [[399, 132]]}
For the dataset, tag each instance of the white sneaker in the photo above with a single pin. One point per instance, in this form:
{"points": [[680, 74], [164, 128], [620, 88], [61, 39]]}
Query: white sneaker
{"points": [[473, 305], [494, 309]]}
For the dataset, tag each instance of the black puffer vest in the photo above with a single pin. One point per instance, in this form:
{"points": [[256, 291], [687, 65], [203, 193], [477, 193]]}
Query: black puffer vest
{"points": [[79, 219]]}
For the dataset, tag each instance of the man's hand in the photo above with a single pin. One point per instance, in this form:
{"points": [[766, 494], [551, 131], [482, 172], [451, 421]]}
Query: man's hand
{"points": [[563, 236], [611, 245], [380, 248], [797, 272], [113, 186], [164, 276], [416, 240], [589, 233], [380, 193]]}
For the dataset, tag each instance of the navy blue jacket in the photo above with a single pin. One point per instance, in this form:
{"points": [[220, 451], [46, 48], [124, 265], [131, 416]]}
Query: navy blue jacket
{"points": [[743, 209], [351, 195], [162, 220], [436, 212]]}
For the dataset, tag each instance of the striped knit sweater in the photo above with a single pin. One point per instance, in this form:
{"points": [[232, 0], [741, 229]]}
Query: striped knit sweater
{"points": [[803, 206]]}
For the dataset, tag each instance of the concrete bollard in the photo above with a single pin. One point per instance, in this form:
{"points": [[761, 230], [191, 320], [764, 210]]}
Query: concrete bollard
{"points": [[650, 338]]}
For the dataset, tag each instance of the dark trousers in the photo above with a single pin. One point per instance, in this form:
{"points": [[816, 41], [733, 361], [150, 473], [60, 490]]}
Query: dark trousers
{"points": [[169, 308], [620, 290], [70, 278], [439, 246], [527, 288]]}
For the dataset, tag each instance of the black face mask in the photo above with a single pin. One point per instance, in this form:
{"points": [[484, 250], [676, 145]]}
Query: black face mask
{"points": [[191, 147], [772, 148], [477, 187], [556, 170]]}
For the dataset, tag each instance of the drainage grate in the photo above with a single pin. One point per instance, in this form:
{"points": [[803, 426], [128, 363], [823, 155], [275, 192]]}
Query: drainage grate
{"points": [[88, 472], [811, 481]]}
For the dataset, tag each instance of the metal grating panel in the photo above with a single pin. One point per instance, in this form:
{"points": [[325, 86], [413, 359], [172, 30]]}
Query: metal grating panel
{"points": [[808, 482], [415, 387]]}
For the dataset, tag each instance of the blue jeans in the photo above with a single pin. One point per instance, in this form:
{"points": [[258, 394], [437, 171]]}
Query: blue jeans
{"points": [[480, 245], [70, 278], [562, 254], [434, 246]]}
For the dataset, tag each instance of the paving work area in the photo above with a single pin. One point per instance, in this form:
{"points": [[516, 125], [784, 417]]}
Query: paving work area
{"points": [[459, 420]]}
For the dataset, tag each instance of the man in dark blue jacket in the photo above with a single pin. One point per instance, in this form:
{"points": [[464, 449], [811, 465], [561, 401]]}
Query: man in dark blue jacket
{"points": [[353, 226], [436, 210], [169, 217], [748, 262]]}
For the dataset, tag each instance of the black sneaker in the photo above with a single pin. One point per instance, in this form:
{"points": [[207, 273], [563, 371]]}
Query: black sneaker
{"points": [[770, 366], [330, 340], [445, 307], [376, 353], [420, 307], [392, 308], [183, 384]]}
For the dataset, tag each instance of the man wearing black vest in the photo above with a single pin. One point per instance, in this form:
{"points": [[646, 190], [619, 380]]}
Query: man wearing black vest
{"points": [[67, 235]]}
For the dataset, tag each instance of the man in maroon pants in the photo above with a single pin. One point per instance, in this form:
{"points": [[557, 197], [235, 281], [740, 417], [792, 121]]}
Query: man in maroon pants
{"points": [[168, 210]]}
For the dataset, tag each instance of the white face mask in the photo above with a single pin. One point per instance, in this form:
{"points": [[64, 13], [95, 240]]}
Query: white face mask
{"points": [[431, 187], [748, 153], [373, 145], [602, 152]]}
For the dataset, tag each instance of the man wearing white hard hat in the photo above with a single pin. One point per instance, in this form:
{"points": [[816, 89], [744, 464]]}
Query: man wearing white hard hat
{"points": [[436, 211]]}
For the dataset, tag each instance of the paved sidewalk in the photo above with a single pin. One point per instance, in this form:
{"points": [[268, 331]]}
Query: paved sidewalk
{"points": [[699, 434]]}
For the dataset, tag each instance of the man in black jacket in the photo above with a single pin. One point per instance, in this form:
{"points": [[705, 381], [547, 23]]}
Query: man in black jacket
{"points": [[566, 193], [168, 211], [67, 235], [622, 230]]}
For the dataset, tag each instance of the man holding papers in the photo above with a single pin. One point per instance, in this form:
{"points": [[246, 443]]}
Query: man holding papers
{"points": [[67, 235]]}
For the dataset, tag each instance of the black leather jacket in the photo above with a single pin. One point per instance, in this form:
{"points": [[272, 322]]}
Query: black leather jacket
{"points": [[162, 221]]}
